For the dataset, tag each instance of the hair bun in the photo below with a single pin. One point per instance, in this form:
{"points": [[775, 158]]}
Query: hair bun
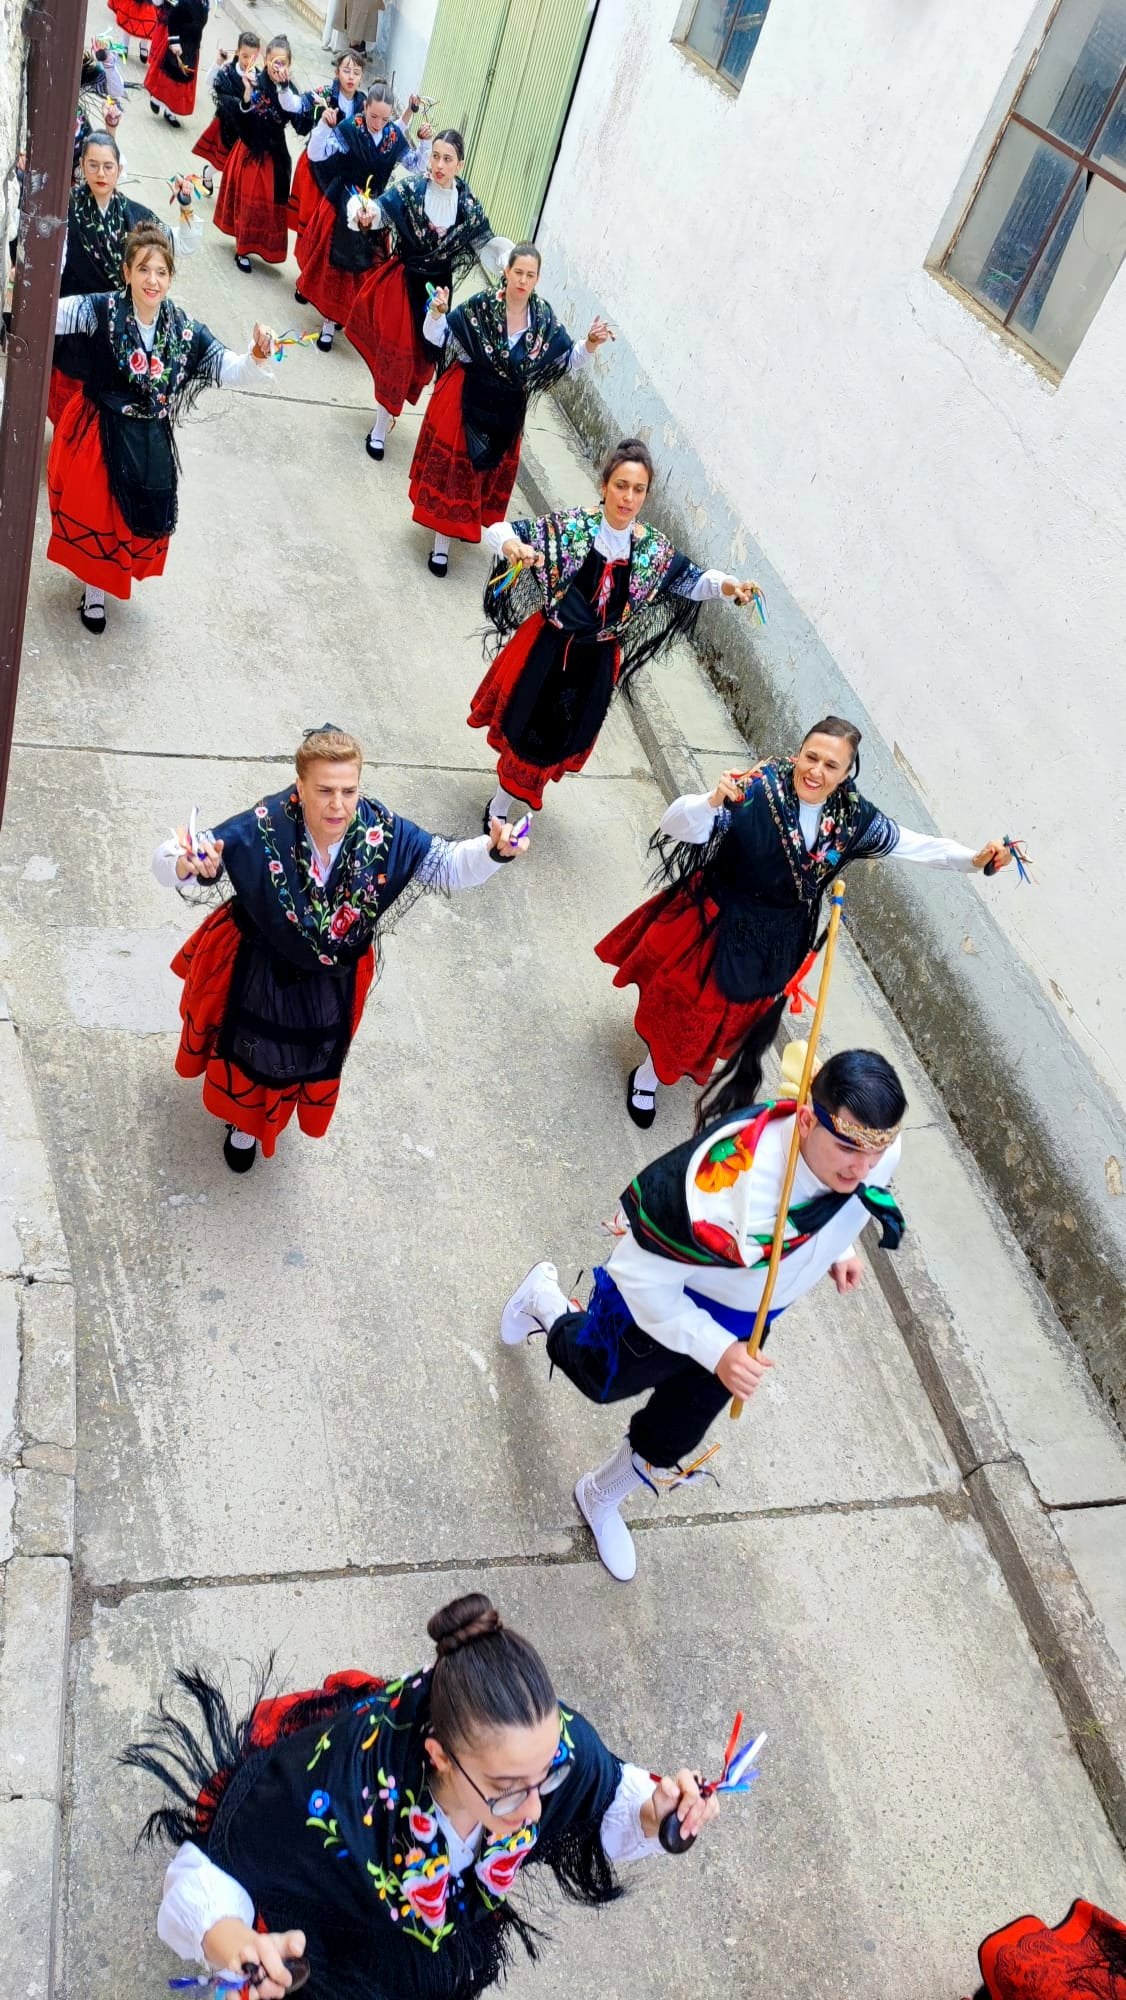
{"points": [[463, 1621]]}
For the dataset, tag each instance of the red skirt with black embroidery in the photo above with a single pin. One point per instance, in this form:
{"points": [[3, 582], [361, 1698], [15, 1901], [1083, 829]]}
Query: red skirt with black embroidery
{"points": [[60, 390], [382, 328], [447, 492], [246, 208], [331, 291], [135, 17], [523, 780], [304, 194], [176, 94], [667, 949], [89, 533], [277, 1716], [210, 146], [205, 962]]}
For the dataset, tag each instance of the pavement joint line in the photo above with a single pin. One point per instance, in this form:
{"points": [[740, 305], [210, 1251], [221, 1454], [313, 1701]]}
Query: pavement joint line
{"points": [[952, 1505], [277, 757]]}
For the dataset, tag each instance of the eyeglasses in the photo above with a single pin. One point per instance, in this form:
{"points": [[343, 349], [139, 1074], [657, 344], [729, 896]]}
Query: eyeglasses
{"points": [[511, 1802]]}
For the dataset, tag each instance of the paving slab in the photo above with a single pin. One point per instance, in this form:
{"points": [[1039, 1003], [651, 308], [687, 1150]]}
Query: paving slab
{"points": [[29, 1845], [1095, 1539], [917, 1788]]}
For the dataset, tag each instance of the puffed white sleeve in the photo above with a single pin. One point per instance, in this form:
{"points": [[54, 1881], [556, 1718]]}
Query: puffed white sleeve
{"points": [[418, 159], [356, 204], [497, 535], [291, 100], [578, 357], [708, 585], [196, 1896], [323, 143], [691, 818], [931, 852], [75, 315], [621, 1833], [496, 253], [458, 864], [187, 237], [242, 371], [164, 862], [435, 328]]}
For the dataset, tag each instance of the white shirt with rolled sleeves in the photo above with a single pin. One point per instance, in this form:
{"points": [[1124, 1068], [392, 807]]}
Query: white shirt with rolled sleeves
{"points": [[693, 817], [615, 545], [456, 864], [654, 1288], [198, 1895]]}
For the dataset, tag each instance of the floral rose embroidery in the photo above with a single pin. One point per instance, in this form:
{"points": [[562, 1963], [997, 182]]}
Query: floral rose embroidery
{"points": [[423, 1825], [276, 868], [138, 362], [426, 1891], [342, 920], [156, 365], [497, 1869]]}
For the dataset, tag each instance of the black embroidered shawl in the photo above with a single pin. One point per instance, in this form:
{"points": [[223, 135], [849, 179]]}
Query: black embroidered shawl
{"points": [[363, 162], [500, 380], [428, 255], [261, 127], [95, 241], [768, 889], [185, 22], [325, 1816], [139, 397]]}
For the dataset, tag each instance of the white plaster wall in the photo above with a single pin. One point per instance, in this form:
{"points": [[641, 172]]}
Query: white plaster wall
{"points": [[11, 68], [953, 526], [411, 26]]}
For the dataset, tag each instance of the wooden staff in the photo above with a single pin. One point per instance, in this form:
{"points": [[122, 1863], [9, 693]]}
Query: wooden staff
{"points": [[755, 1341]]}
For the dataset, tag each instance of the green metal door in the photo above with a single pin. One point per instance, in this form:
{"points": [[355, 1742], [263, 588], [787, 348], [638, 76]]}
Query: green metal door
{"points": [[508, 67]]}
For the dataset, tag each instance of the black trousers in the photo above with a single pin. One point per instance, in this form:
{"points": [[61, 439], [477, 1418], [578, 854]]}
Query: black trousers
{"points": [[686, 1398]]}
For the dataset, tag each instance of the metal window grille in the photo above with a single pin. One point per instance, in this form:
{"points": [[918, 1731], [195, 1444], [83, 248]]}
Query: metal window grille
{"points": [[724, 34], [1045, 233]]}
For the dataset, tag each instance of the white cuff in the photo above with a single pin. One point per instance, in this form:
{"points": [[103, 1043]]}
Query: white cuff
{"points": [[621, 1831], [196, 1896], [689, 818]]}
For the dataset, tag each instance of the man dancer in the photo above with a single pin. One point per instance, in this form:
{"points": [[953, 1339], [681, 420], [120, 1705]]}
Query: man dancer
{"points": [[677, 1303]]}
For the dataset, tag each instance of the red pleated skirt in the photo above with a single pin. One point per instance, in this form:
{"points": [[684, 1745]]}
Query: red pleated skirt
{"points": [[246, 208], [332, 292], [381, 327], [210, 146], [525, 781], [135, 17], [1078, 1959], [687, 1024], [447, 493], [304, 194], [176, 95], [60, 390], [205, 962], [89, 533]]}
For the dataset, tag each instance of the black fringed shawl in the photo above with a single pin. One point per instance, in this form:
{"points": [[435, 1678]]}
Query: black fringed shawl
{"points": [[95, 241], [321, 1809], [428, 255], [767, 886], [185, 21], [261, 127], [500, 380], [140, 397], [362, 159], [653, 611], [227, 92]]}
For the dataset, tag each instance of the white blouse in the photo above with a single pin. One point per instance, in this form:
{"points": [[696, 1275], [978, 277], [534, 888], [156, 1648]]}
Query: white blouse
{"points": [[324, 142], [449, 864], [237, 371], [440, 204], [436, 328], [692, 818], [197, 1894], [615, 544]]}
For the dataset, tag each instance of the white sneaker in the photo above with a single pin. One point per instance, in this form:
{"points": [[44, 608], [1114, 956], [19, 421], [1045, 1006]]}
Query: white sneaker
{"points": [[534, 1307], [598, 1496]]}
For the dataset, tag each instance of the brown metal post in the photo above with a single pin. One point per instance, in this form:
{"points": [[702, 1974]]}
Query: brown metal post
{"points": [[54, 34]]}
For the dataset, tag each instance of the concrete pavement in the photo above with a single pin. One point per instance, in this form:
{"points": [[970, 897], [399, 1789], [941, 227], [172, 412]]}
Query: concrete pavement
{"points": [[296, 1426]]}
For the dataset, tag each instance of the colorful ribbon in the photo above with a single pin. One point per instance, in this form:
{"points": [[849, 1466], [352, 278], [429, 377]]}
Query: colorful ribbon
{"points": [[758, 603], [505, 581], [292, 338], [1019, 852], [193, 181]]}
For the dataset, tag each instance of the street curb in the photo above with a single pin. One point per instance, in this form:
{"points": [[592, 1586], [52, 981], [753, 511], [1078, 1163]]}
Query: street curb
{"points": [[1083, 1670], [37, 1508]]}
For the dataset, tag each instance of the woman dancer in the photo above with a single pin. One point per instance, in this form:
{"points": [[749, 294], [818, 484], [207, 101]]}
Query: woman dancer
{"points": [[276, 979], [170, 78], [364, 152], [719, 951], [440, 228], [598, 596], [505, 347], [99, 220], [253, 200], [226, 80], [343, 99], [377, 1828], [111, 475]]}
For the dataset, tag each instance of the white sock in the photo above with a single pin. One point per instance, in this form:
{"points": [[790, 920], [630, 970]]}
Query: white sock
{"points": [[93, 599], [328, 329], [646, 1078], [381, 426], [500, 805], [441, 545], [242, 1141]]}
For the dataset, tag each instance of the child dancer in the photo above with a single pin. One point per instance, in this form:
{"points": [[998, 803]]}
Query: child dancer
{"points": [[363, 153], [174, 59], [343, 99], [253, 204], [225, 80]]}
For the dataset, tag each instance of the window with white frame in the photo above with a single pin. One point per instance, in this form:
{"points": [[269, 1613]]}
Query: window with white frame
{"points": [[1046, 231], [723, 34]]}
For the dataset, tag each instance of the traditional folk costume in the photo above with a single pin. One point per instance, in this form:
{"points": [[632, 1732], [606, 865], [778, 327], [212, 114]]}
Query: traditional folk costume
{"points": [[468, 451], [170, 78], [315, 1813], [275, 980], [1083, 1958], [334, 258], [439, 232], [606, 601], [112, 471], [732, 936], [683, 1281], [92, 262], [135, 17], [253, 204], [306, 191], [225, 82]]}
